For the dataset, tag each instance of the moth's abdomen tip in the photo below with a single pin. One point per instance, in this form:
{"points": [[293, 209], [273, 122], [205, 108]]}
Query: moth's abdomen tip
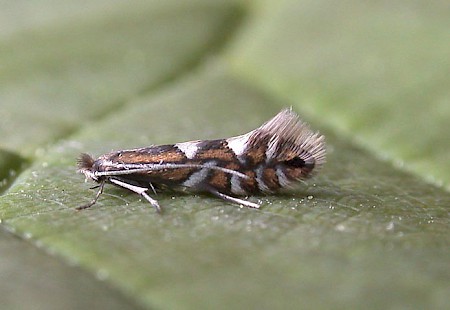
{"points": [[297, 151]]}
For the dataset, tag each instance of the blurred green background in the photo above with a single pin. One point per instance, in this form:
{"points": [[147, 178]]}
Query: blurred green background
{"points": [[371, 230]]}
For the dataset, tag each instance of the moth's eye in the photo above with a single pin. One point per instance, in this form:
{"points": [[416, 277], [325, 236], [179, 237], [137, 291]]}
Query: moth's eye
{"points": [[295, 162]]}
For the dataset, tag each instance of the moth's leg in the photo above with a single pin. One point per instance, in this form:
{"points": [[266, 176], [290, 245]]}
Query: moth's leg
{"points": [[152, 187], [100, 191], [234, 200], [138, 190]]}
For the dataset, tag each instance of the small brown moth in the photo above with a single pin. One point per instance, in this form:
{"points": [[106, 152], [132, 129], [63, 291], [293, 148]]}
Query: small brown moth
{"points": [[271, 157]]}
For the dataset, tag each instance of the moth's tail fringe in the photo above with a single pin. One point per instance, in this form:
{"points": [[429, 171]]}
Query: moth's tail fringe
{"points": [[287, 131]]}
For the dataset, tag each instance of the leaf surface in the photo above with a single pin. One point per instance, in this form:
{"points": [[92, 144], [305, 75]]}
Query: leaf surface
{"points": [[363, 234]]}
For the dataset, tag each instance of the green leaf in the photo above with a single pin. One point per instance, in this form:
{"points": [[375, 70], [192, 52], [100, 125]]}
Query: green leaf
{"points": [[34, 279], [10, 164], [362, 234], [376, 72], [56, 77]]}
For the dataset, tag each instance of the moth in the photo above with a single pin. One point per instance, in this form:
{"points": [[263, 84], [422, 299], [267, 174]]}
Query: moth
{"points": [[270, 158]]}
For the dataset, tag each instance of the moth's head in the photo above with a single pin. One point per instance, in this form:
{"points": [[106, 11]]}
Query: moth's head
{"points": [[86, 166]]}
